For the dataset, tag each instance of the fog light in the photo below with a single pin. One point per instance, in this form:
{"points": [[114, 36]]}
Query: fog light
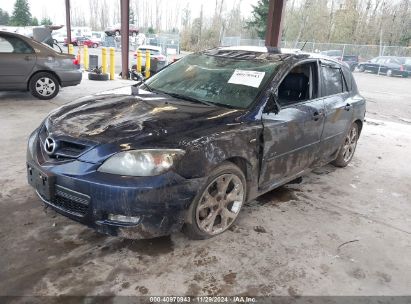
{"points": [[124, 218]]}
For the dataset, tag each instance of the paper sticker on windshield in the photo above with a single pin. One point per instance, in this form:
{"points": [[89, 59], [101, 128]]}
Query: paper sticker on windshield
{"points": [[248, 78]]}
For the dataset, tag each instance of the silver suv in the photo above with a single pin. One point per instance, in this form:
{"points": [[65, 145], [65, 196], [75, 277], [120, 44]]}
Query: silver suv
{"points": [[28, 65]]}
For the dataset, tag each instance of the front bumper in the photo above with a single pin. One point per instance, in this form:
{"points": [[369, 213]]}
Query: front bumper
{"points": [[78, 191]]}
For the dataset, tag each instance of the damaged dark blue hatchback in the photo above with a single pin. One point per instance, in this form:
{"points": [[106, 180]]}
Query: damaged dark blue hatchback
{"points": [[188, 147]]}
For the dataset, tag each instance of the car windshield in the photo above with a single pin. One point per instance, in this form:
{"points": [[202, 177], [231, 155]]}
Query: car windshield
{"points": [[210, 79]]}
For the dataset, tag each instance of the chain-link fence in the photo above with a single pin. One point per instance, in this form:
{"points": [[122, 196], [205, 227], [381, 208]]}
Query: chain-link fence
{"points": [[364, 51]]}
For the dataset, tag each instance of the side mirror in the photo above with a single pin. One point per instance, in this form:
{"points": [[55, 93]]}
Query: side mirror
{"points": [[272, 106]]}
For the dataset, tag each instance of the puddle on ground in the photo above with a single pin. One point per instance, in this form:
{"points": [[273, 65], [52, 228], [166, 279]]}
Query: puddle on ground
{"points": [[277, 196]]}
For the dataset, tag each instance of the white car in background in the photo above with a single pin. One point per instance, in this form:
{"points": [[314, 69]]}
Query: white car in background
{"points": [[59, 37], [158, 59], [98, 36]]}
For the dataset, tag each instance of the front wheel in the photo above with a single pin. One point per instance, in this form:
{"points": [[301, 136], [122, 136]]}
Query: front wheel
{"points": [[389, 73], [44, 86], [360, 68], [347, 149], [217, 204]]}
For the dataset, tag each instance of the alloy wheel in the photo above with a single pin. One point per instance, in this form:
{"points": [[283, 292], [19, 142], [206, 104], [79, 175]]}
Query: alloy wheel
{"points": [[45, 86], [350, 144], [220, 204]]}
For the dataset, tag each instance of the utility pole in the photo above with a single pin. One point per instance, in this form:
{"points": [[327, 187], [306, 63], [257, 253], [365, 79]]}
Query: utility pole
{"points": [[68, 22], [274, 23]]}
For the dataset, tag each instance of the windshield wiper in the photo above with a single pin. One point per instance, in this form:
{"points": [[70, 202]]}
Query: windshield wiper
{"points": [[184, 97]]}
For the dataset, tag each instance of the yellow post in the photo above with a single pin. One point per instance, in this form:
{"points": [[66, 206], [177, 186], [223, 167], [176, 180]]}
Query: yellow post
{"points": [[86, 63], [112, 62], [71, 49], [104, 60], [139, 60], [148, 63]]}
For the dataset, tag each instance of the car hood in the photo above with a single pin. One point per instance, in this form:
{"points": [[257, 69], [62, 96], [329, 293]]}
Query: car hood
{"points": [[122, 114]]}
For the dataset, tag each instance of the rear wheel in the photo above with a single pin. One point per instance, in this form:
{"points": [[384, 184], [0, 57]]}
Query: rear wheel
{"points": [[117, 33], [217, 204], [44, 86], [347, 149], [95, 45], [389, 73], [361, 68]]}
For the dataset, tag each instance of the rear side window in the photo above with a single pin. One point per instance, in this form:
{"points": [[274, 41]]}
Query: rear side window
{"points": [[332, 80], [14, 45]]}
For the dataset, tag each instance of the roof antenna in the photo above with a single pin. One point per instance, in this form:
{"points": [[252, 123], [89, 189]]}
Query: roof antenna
{"points": [[304, 45]]}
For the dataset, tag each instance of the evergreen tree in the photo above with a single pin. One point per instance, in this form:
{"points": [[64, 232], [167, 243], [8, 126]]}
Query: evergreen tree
{"points": [[259, 18], [21, 13], [34, 21], [46, 21], [4, 17]]}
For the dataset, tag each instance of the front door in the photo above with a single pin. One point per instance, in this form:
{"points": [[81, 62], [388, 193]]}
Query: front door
{"points": [[17, 60], [292, 136]]}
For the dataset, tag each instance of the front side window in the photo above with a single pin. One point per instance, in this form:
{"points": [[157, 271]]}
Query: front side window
{"points": [[300, 84], [219, 80], [332, 79]]}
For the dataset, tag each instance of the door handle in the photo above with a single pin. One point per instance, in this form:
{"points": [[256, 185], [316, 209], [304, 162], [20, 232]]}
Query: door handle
{"points": [[317, 115], [347, 107]]}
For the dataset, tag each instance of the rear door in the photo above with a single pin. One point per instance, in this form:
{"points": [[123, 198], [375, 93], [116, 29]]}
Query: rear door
{"points": [[338, 107], [17, 60], [292, 136]]}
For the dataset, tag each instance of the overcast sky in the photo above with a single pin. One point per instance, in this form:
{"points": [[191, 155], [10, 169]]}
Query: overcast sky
{"points": [[55, 8]]}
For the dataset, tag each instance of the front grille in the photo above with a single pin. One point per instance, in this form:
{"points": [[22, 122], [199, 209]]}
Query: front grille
{"points": [[67, 148], [70, 201]]}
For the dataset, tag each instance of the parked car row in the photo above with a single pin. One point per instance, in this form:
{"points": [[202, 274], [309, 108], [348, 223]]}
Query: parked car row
{"points": [[388, 65]]}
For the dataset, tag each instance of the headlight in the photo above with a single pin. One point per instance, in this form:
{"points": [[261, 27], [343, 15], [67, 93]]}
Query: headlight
{"points": [[147, 162]]}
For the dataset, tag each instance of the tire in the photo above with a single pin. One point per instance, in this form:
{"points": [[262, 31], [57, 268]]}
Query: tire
{"points": [[95, 45], [212, 206], [361, 68], [98, 77], [44, 86], [117, 33], [347, 149], [389, 73]]}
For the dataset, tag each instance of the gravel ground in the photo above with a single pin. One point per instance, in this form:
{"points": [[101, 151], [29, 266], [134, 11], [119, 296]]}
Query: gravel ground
{"points": [[339, 232]]}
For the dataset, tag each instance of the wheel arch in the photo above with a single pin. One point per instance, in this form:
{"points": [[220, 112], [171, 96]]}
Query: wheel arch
{"points": [[359, 124], [247, 169]]}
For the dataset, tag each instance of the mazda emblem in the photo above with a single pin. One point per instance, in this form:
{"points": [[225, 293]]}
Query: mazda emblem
{"points": [[50, 145]]}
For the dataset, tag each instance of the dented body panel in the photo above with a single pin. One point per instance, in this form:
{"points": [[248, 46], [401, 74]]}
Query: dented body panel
{"points": [[271, 148]]}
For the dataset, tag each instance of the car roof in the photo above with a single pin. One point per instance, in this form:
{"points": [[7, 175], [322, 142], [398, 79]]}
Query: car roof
{"points": [[267, 53]]}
